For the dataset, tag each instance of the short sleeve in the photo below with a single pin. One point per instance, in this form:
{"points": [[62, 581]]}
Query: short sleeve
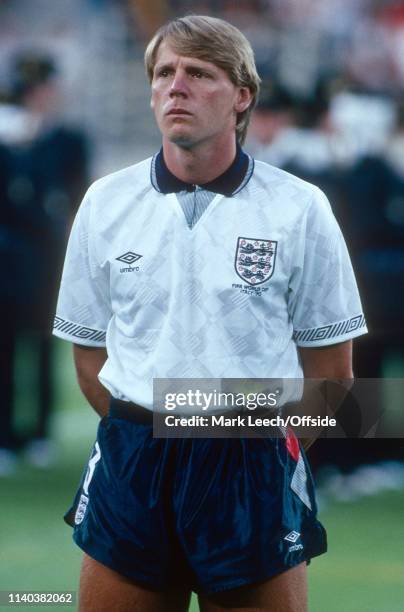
{"points": [[83, 308], [324, 302]]}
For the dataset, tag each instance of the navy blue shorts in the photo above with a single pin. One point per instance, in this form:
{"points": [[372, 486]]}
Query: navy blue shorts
{"points": [[208, 514]]}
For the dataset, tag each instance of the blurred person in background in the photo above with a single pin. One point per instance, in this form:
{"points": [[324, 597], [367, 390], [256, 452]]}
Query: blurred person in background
{"points": [[272, 115], [294, 132], [46, 177], [303, 139], [373, 203], [9, 253], [344, 139]]}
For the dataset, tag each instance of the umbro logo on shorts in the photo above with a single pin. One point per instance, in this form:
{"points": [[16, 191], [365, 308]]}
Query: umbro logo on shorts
{"points": [[292, 536], [81, 509]]}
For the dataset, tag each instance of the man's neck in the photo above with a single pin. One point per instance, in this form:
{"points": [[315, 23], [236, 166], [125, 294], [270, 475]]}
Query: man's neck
{"points": [[201, 164]]}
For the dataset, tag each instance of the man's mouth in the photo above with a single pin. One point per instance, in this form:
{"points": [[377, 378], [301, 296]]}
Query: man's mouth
{"points": [[178, 111]]}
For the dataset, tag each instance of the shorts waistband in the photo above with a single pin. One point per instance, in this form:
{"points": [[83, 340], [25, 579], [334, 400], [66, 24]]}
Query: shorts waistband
{"points": [[138, 414], [130, 411]]}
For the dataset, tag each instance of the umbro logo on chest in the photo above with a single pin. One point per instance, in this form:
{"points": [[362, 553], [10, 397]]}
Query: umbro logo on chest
{"points": [[129, 258]]}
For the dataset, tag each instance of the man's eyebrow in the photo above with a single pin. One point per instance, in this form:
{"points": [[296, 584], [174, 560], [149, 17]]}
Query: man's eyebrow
{"points": [[163, 66], [188, 66], [202, 68]]}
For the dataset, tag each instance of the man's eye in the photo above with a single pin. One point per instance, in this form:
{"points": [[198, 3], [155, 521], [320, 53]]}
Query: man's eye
{"points": [[197, 74]]}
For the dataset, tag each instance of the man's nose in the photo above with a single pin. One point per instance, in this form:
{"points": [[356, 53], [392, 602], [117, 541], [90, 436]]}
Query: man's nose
{"points": [[178, 84]]}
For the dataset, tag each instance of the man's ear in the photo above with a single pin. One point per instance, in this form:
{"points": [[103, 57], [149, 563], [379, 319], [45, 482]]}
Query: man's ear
{"points": [[243, 99]]}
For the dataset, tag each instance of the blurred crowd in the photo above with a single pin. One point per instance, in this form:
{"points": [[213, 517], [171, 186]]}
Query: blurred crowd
{"points": [[43, 174], [331, 111]]}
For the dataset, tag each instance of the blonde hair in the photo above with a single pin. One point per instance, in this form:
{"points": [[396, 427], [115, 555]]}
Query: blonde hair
{"points": [[216, 41]]}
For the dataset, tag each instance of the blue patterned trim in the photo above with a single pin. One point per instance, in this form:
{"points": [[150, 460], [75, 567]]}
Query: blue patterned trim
{"points": [[327, 332], [79, 331]]}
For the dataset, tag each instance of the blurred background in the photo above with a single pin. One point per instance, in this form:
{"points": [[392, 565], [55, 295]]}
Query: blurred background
{"points": [[74, 105]]}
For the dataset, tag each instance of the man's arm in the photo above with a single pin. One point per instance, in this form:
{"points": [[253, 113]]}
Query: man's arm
{"points": [[333, 361], [88, 362], [330, 362]]}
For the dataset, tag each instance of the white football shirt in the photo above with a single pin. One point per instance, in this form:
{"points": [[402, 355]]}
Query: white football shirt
{"points": [[262, 272]]}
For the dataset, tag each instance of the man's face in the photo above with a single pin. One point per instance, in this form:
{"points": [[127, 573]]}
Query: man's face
{"points": [[194, 101]]}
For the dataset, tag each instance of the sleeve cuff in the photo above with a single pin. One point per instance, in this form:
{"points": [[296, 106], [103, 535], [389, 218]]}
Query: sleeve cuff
{"points": [[78, 334], [332, 333]]}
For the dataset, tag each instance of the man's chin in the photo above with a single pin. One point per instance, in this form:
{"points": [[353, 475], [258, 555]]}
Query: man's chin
{"points": [[181, 139]]}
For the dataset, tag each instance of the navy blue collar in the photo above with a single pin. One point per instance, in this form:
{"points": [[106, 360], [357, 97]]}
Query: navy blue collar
{"points": [[228, 183]]}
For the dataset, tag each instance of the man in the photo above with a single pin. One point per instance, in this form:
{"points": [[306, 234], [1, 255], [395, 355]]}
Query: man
{"points": [[157, 284]]}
